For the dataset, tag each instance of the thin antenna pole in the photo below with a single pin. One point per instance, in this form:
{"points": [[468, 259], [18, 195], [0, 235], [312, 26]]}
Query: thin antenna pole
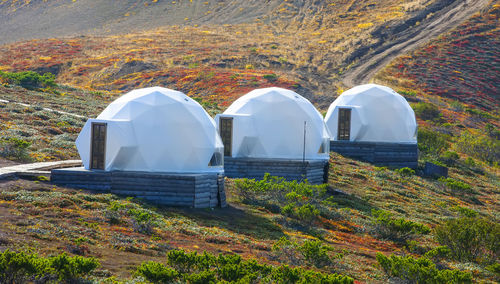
{"points": [[304, 149]]}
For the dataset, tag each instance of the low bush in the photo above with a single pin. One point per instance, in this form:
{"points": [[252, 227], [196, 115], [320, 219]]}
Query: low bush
{"points": [[420, 270], [495, 269], [14, 148], [455, 184], [312, 252], [298, 200], [405, 172], [28, 79], [481, 147], [470, 239], [316, 253], [464, 211], [157, 272], [427, 111], [271, 77], [286, 250], [21, 267], [457, 106], [72, 268], [208, 268], [492, 131], [143, 220], [449, 158], [306, 212], [408, 94], [397, 229], [438, 253], [431, 142]]}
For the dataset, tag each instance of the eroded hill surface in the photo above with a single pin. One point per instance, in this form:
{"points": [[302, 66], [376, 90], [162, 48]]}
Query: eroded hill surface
{"points": [[462, 64], [316, 46]]}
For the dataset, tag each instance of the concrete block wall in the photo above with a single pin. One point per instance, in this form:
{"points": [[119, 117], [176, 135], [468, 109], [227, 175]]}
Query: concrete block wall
{"points": [[190, 190], [255, 168], [397, 155]]}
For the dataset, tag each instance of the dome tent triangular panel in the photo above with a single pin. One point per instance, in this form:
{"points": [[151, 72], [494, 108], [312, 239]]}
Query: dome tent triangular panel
{"points": [[274, 119], [378, 114], [161, 130]]}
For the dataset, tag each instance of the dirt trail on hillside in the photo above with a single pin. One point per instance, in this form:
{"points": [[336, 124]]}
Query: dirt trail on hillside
{"points": [[409, 39]]}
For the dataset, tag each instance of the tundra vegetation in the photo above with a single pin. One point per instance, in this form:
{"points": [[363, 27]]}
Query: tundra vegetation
{"points": [[370, 224]]}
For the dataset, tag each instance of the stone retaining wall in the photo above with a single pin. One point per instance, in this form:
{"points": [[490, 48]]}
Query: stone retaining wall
{"points": [[397, 155], [315, 171], [192, 190]]}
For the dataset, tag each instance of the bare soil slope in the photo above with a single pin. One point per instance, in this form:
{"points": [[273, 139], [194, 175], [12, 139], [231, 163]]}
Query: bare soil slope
{"points": [[421, 29], [21, 20]]}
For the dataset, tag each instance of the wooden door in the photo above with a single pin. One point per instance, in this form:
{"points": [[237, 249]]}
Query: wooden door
{"points": [[344, 130], [226, 133], [98, 146]]}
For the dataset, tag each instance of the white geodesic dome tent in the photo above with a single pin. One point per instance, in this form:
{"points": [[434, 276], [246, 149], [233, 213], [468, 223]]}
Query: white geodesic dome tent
{"points": [[153, 130], [270, 123], [377, 114]]}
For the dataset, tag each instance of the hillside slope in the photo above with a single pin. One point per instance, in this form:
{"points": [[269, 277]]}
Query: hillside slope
{"points": [[420, 29], [59, 18], [462, 64], [309, 44]]}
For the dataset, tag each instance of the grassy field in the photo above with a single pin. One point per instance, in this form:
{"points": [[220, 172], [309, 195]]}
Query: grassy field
{"points": [[335, 228], [50, 219]]}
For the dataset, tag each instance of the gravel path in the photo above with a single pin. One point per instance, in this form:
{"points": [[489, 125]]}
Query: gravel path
{"points": [[409, 39]]}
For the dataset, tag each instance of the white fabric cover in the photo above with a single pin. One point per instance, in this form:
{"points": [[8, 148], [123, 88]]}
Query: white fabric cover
{"points": [[378, 114], [269, 123], [155, 130]]}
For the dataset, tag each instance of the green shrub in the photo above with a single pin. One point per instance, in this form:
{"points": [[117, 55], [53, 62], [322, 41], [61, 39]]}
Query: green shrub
{"points": [[71, 268], [439, 252], [420, 270], [450, 158], [14, 148], [285, 274], [182, 261], [457, 106], [298, 200], [492, 131], [398, 229], [405, 172], [143, 221], [455, 184], [271, 77], [408, 93], [464, 211], [28, 79], [306, 212], [287, 250], [479, 113], [204, 277], [156, 272], [427, 111], [207, 268], [431, 142], [470, 239], [19, 267], [495, 268], [315, 252], [481, 147], [470, 162]]}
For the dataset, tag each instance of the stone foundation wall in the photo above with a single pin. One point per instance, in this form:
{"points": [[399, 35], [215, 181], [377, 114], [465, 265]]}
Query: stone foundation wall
{"points": [[191, 190], [254, 168], [395, 155]]}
